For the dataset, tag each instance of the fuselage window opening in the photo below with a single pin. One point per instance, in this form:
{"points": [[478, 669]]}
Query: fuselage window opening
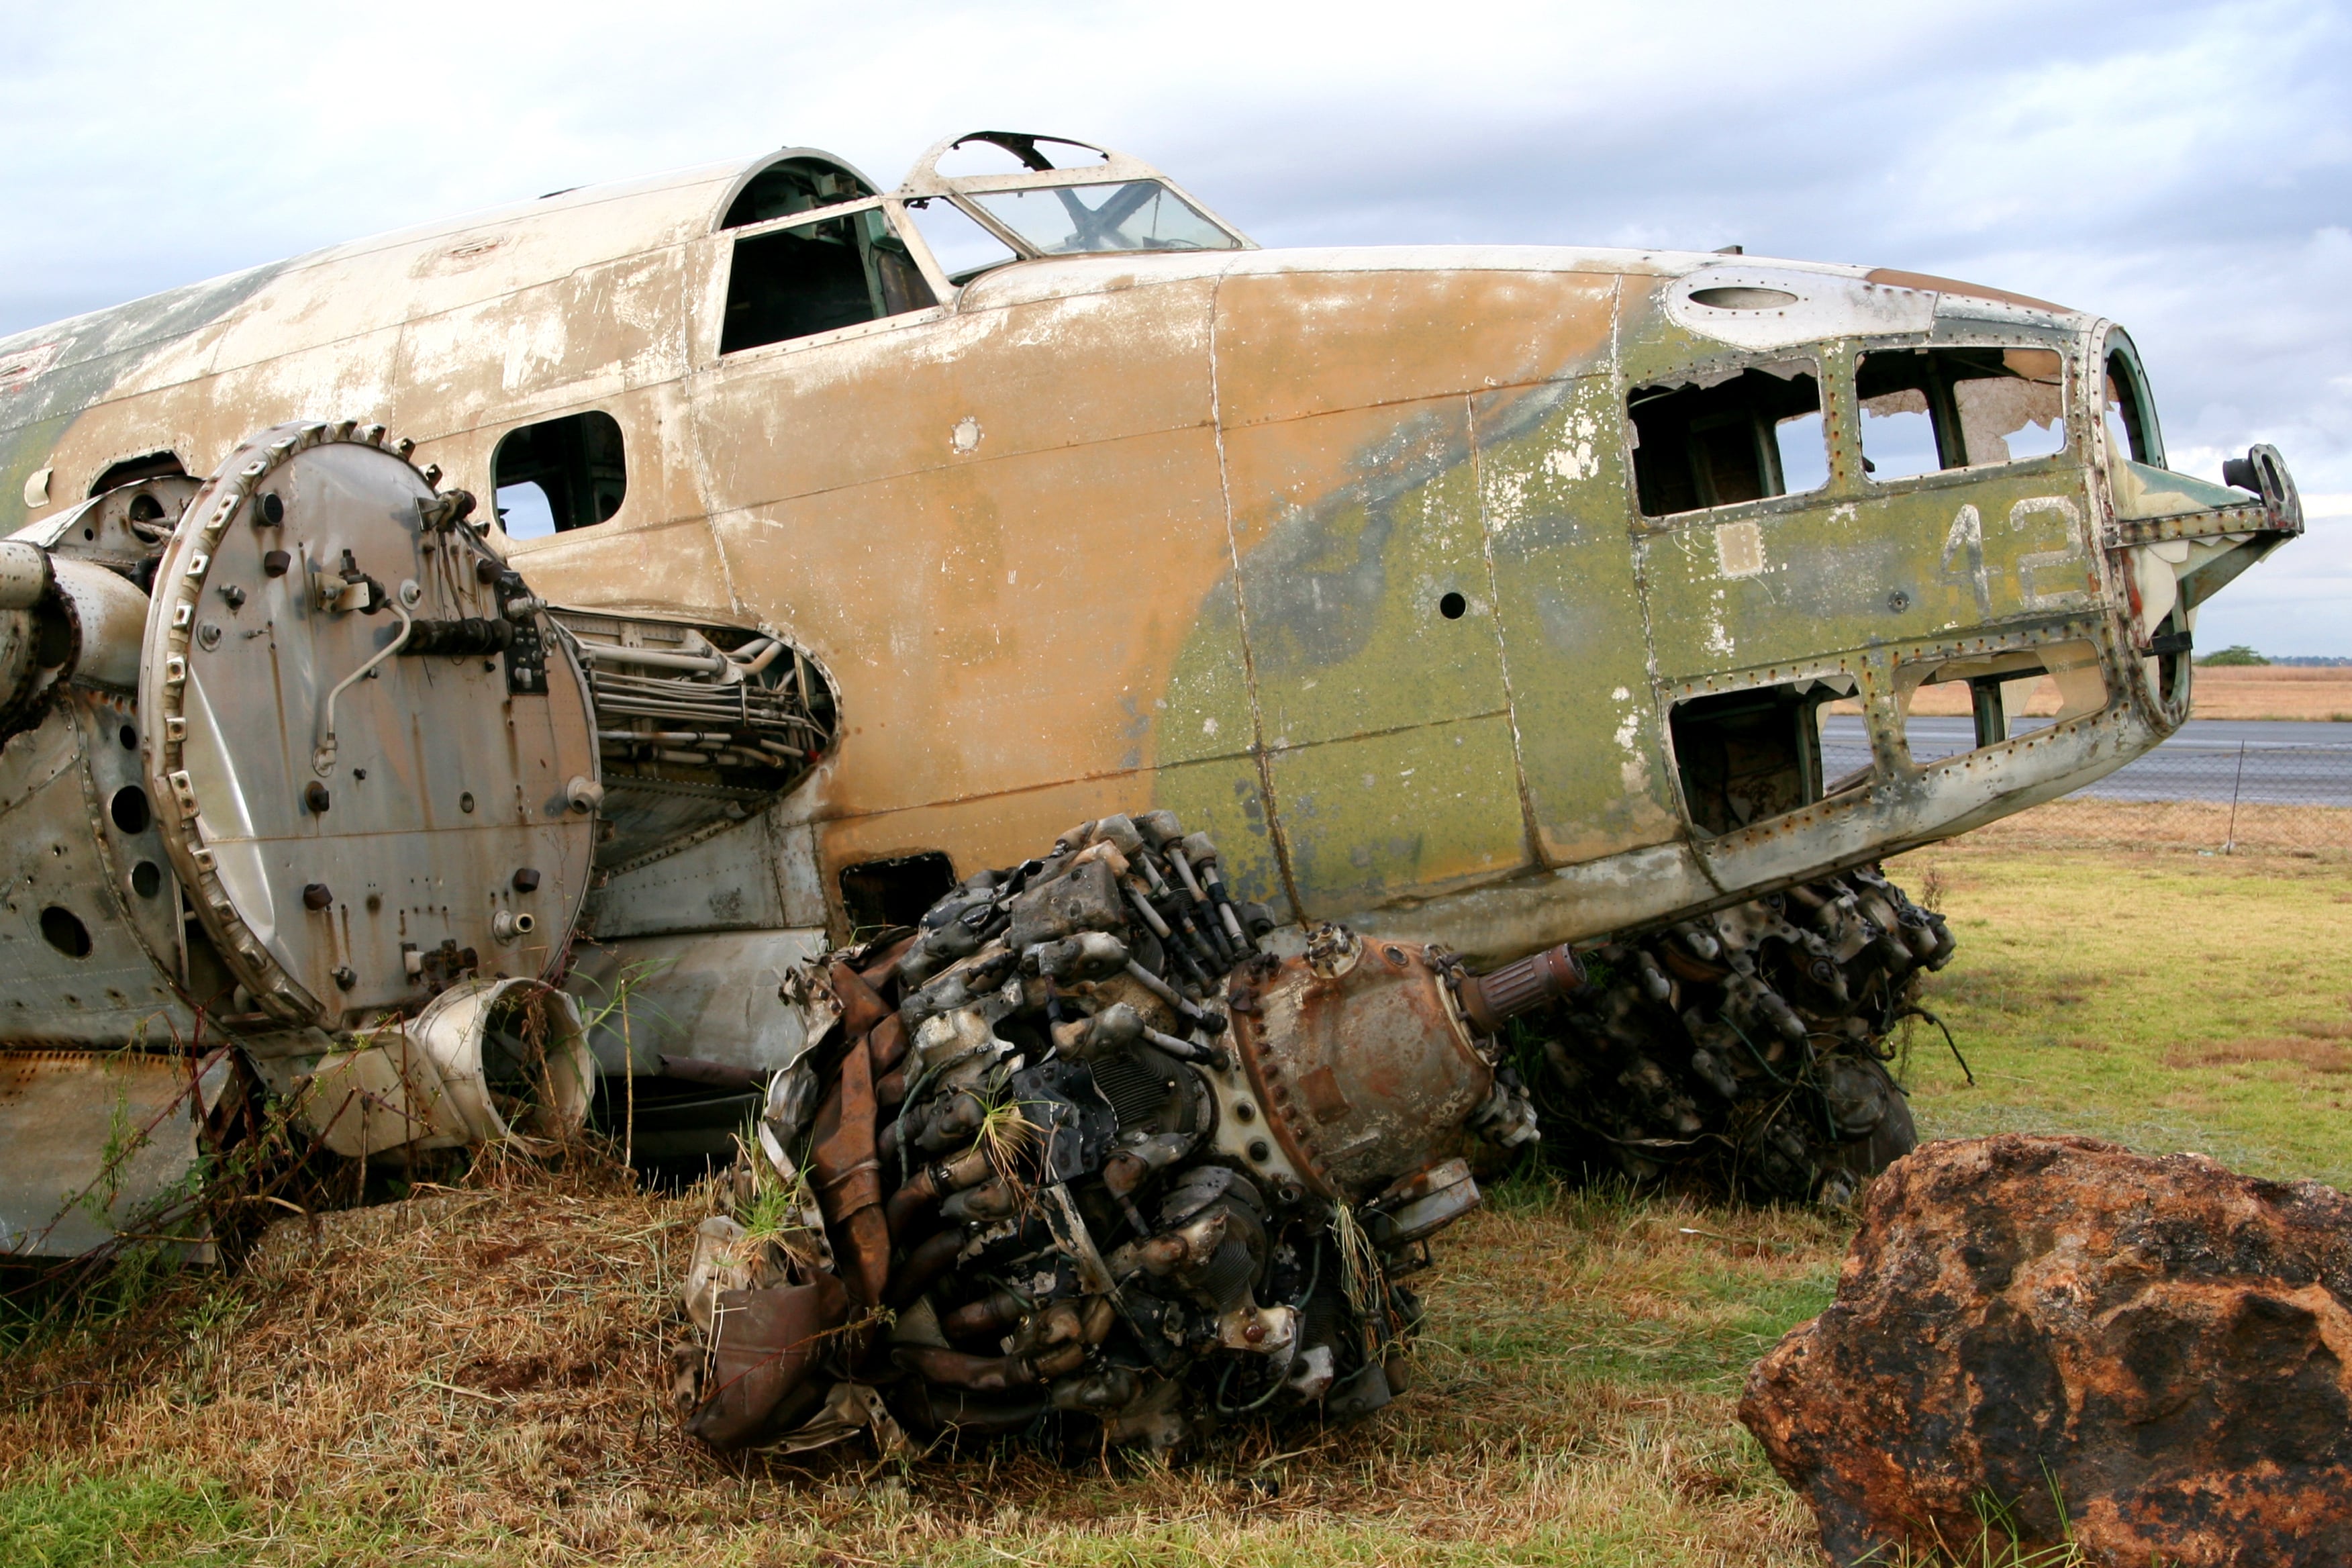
{"points": [[559, 475], [1924, 410], [1746, 757], [881, 895], [813, 278], [1732, 437]]}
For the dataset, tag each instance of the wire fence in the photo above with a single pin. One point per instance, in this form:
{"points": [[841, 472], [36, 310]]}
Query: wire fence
{"points": [[2225, 797]]}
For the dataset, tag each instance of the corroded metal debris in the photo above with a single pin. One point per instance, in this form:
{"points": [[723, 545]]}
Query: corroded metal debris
{"points": [[1084, 1153], [2064, 1340], [1746, 1049]]}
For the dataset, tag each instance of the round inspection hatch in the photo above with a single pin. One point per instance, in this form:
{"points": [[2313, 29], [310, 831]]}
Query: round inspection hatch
{"points": [[302, 751]]}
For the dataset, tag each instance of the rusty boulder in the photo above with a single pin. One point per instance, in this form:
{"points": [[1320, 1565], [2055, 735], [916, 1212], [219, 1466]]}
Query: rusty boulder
{"points": [[2158, 1341]]}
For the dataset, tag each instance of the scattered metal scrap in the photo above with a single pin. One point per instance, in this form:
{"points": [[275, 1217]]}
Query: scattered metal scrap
{"points": [[1082, 1149]]}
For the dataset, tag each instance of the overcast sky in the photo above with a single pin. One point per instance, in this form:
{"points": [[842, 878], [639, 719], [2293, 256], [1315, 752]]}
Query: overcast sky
{"points": [[2184, 168]]}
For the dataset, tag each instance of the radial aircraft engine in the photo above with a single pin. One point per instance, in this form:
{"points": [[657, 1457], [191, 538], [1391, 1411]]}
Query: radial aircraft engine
{"points": [[839, 544]]}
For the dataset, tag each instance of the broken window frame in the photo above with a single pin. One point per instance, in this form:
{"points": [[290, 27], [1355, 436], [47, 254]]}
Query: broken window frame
{"points": [[1998, 685], [1943, 413], [900, 227], [2139, 420], [1799, 703], [1683, 380]]}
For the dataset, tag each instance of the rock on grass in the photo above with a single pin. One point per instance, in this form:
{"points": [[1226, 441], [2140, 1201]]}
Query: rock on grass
{"points": [[2059, 1335]]}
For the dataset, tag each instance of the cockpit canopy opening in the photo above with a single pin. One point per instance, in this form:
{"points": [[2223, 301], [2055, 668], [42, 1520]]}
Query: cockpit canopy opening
{"points": [[796, 184], [985, 153], [1737, 435], [813, 278], [1047, 195], [1131, 214]]}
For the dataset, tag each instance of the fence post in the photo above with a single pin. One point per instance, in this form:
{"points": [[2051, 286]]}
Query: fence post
{"points": [[2230, 839]]}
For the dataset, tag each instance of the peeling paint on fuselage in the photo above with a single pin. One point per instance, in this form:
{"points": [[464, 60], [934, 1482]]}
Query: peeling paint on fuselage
{"points": [[1334, 552]]}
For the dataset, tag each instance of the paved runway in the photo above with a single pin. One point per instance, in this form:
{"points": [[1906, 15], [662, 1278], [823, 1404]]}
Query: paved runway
{"points": [[2265, 762]]}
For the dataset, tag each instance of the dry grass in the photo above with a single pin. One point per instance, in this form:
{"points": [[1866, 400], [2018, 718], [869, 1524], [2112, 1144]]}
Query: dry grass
{"points": [[2321, 833], [2273, 691], [478, 1375]]}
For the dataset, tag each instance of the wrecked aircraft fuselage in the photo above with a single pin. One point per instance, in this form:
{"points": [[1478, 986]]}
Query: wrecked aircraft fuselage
{"points": [[1482, 597]]}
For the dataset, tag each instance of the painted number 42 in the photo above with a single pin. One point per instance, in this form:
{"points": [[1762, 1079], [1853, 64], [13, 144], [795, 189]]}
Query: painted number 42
{"points": [[1964, 555]]}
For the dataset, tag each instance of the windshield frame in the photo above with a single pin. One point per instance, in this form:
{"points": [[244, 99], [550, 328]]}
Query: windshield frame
{"points": [[925, 183], [1030, 246]]}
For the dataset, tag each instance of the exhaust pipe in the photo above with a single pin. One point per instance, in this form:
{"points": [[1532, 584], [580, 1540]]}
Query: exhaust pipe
{"points": [[1493, 999]]}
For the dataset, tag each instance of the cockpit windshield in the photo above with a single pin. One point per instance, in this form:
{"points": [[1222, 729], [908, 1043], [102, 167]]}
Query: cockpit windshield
{"points": [[1127, 214]]}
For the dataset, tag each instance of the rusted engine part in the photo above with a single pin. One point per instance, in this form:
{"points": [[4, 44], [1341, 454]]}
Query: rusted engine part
{"points": [[337, 782], [1092, 1164], [1745, 1050]]}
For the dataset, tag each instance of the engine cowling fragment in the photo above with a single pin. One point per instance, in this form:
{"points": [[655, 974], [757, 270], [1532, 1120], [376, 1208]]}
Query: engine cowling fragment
{"points": [[297, 763]]}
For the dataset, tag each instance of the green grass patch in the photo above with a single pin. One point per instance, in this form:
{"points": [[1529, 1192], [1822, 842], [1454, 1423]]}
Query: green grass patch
{"points": [[57, 1518], [2168, 1003]]}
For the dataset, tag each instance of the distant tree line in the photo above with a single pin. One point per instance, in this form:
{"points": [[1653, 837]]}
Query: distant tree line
{"points": [[2240, 655]]}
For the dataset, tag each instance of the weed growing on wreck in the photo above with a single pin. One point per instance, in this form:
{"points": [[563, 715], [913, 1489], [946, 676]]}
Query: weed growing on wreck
{"points": [[622, 1002], [1009, 1141]]}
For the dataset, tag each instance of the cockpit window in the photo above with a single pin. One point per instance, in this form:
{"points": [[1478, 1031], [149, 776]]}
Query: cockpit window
{"points": [[1732, 436], [962, 248], [2125, 412], [1129, 214], [815, 277], [1926, 410]]}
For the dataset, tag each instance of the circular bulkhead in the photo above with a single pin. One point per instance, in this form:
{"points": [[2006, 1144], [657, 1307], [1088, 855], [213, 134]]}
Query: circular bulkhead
{"points": [[372, 763]]}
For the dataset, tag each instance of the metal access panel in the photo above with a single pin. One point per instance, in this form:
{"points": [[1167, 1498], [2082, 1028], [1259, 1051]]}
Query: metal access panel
{"points": [[93, 1143]]}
